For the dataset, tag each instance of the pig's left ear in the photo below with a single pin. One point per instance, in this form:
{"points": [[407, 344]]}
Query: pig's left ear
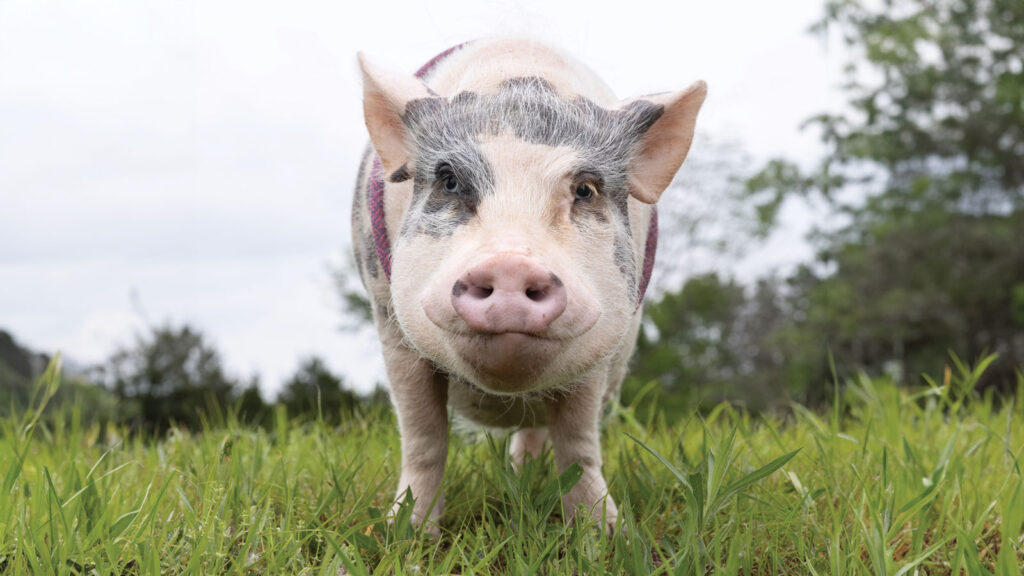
{"points": [[385, 96], [664, 145]]}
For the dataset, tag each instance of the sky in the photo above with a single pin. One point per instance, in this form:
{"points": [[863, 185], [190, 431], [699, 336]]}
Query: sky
{"points": [[193, 162]]}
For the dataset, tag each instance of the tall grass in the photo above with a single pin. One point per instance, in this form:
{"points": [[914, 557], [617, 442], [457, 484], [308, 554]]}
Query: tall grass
{"points": [[886, 481]]}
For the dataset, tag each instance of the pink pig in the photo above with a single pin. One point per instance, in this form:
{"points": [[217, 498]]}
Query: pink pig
{"points": [[504, 228]]}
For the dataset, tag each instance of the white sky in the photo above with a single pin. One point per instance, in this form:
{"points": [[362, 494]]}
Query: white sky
{"points": [[199, 156]]}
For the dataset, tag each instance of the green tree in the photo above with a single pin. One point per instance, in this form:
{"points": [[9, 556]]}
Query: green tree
{"points": [[313, 390], [696, 324], [251, 407], [926, 167], [707, 343], [172, 376]]}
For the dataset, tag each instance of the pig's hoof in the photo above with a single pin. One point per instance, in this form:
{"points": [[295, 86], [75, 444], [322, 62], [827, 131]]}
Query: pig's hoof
{"points": [[423, 517], [430, 528], [603, 513], [526, 443]]}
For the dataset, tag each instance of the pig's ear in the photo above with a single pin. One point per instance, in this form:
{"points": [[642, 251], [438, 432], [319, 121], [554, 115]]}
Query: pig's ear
{"points": [[664, 145], [385, 96]]}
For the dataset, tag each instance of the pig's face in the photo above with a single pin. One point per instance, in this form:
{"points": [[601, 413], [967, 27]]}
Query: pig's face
{"points": [[515, 267]]}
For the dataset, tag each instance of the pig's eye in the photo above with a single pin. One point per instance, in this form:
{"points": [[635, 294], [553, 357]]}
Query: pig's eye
{"points": [[585, 191], [447, 180], [451, 185]]}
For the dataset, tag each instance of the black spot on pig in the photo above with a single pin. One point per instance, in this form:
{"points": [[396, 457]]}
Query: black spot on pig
{"points": [[370, 258], [400, 175], [528, 83], [626, 261]]}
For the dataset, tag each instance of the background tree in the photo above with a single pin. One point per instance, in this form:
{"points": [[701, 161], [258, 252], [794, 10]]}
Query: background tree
{"points": [[926, 169], [19, 369], [252, 409], [172, 376], [924, 172], [315, 390], [687, 345]]}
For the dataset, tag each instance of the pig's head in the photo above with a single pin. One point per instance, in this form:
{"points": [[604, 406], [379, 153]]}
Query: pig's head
{"points": [[516, 267]]}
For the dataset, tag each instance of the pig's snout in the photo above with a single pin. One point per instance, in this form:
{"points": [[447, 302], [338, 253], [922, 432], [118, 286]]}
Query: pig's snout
{"points": [[509, 293]]}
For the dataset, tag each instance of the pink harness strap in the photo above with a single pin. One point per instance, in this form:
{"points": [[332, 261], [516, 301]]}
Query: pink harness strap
{"points": [[375, 204]]}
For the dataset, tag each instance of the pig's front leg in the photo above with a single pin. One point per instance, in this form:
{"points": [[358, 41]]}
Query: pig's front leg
{"points": [[573, 421], [420, 396]]}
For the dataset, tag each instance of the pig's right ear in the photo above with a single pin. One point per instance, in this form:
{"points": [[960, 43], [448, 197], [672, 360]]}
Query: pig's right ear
{"points": [[385, 96], [665, 143]]}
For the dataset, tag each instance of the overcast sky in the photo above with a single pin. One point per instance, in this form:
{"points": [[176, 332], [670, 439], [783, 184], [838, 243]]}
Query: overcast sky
{"points": [[194, 161]]}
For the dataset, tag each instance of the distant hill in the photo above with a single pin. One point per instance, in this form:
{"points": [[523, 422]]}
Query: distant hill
{"points": [[19, 367], [15, 372]]}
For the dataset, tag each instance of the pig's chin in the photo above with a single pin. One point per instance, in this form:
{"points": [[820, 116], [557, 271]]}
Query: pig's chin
{"points": [[509, 362]]}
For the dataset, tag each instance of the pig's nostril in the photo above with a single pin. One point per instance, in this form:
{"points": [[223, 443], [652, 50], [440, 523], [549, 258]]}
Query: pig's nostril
{"points": [[536, 294], [481, 292], [471, 290]]}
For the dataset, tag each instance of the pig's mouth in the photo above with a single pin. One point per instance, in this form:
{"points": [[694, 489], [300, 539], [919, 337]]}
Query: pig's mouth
{"points": [[510, 362], [509, 337], [508, 359]]}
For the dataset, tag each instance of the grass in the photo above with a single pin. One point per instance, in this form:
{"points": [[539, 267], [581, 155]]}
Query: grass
{"points": [[885, 481]]}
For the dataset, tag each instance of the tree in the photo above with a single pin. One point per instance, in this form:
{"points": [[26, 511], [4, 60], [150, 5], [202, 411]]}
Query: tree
{"points": [[173, 376], [252, 409], [687, 345], [314, 390], [716, 340], [927, 169]]}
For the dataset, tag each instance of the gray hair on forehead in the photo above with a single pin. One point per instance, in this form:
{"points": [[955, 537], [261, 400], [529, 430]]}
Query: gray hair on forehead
{"points": [[528, 107]]}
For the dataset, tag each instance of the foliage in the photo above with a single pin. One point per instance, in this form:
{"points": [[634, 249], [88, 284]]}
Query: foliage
{"points": [[20, 366], [700, 346], [175, 378], [925, 172], [315, 391], [355, 306], [886, 481], [171, 376], [715, 340], [934, 283], [16, 372], [937, 88], [932, 260]]}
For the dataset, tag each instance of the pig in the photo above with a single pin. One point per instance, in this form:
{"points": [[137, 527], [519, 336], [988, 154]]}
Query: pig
{"points": [[504, 227]]}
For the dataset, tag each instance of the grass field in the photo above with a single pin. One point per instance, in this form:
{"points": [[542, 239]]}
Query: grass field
{"points": [[886, 481]]}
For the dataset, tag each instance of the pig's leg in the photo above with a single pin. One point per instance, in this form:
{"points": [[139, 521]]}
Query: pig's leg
{"points": [[526, 443], [573, 419], [420, 397]]}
